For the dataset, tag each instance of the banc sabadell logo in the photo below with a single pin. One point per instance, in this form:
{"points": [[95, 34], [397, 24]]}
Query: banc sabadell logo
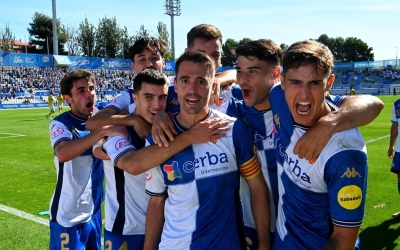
{"points": [[46, 59]]}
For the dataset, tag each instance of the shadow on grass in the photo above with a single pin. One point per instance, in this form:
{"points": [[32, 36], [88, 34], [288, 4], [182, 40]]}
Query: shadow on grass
{"points": [[381, 236]]}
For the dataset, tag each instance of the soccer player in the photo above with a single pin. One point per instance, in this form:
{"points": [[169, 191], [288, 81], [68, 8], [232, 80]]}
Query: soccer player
{"points": [[208, 39], [321, 204], [50, 102], [395, 153], [60, 101], [202, 181], [75, 207], [126, 201], [145, 53]]}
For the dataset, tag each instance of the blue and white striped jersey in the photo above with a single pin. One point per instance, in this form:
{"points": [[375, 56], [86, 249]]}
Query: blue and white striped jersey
{"points": [[202, 182], [315, 196], [79, 190]]}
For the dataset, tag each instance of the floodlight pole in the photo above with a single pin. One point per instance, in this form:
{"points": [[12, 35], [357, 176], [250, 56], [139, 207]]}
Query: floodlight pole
{"points": [[173, 8], [55, 37]]}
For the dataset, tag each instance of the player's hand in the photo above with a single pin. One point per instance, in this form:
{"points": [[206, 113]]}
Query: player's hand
{"points": [[214, 98], [310, 145], [100, 154], [162, 129], [390, 152], [208, 130]]}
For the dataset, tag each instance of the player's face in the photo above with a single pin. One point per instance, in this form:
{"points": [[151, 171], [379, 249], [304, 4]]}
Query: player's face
{"points": [[193, 86], [256, 79], [147, 59], [212, 48], [305, 93], [82, 99], [150, 100]]}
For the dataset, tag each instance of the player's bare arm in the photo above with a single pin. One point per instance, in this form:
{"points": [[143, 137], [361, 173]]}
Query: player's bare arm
{"points": [[109, 116], [355, 111], [261, 209], [68, 150], [137, 162], [393, 136], [154, 222], [342, 238]]}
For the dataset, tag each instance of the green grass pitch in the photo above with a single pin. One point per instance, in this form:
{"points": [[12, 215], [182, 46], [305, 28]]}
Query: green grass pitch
{"points": [[27, 181]]}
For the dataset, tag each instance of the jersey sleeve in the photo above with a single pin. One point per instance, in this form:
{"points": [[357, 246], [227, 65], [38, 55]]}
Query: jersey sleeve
{"points": [[155, 184], [346, 178], [337, 100], [116, 147], [58, 133], [245, 150], [121, 101], [394, 116]]}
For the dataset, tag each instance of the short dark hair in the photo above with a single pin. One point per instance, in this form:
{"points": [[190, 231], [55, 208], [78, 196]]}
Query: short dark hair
{"points": [[263, 49], [196, 57], [149, 76], [309, 52], [205, 31], [150, 43], [67, 82]]}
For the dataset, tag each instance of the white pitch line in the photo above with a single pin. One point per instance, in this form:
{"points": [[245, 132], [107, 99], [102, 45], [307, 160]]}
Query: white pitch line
{"points": [[377, 139], [31, 217], [10, 135], [24, 215]]}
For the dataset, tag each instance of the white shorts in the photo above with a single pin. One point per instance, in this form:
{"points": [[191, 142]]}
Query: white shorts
{"points": [[51, 108]]}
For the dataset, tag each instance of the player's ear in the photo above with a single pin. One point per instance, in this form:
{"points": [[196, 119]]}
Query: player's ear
{"points": [[330, 81], [282, 78], [135, 97], [68, 99]]}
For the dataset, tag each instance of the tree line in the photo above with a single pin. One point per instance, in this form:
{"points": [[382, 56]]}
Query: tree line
{"points": [[109, 39]]}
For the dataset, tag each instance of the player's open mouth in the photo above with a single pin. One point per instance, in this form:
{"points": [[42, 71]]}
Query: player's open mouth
{"points": [[246, 93], [89, 105], [192, 101], [303, 108], [153, 112]]}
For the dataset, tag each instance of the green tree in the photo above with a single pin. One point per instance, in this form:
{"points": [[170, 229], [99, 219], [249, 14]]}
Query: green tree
{"points": [[126, 41], [351, 49], [41, 34], [284, 47], [108, 38], [141, 32], [86, 38], [228, 51], [7, 39], [164, 35], [72, 43]]}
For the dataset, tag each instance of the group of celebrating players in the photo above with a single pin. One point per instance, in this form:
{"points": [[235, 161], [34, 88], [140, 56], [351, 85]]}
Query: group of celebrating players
{"points": [[267, 162]]}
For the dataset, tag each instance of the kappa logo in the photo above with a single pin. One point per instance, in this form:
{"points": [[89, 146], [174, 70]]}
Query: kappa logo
{"points": [[121, 143], [172, 171], [277, 121], [350, 173], [174, 102]]}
